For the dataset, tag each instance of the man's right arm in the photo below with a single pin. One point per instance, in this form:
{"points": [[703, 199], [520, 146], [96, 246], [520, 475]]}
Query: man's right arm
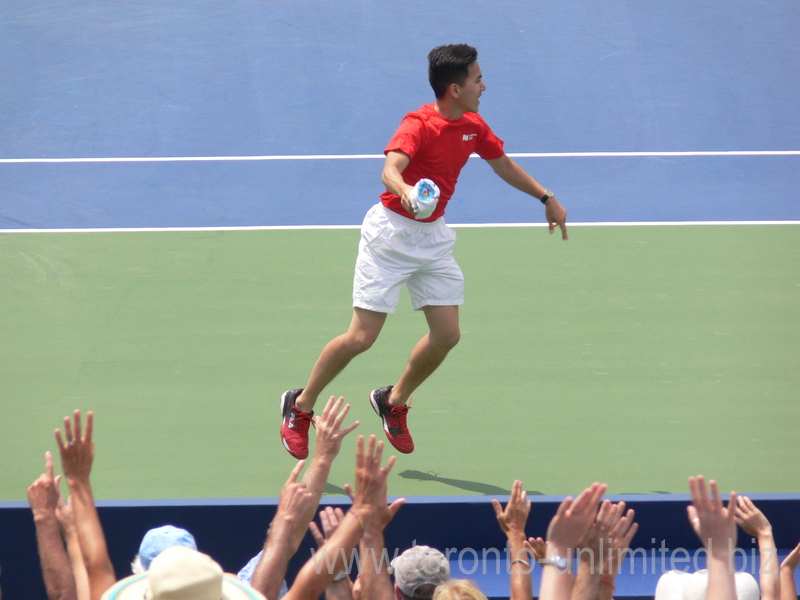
{"points": [[77, 454], [56, 571], [392, 177]]}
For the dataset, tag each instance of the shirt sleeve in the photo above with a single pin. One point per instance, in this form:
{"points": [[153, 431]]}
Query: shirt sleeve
{"points": [[489, 146], [408, 137]]}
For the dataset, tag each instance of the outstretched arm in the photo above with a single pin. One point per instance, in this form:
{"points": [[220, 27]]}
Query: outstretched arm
{"points": [[512, 520], [369, 502], [753, 522], [514, 175], [716, 527], [43, 498], [77, 453], [619, 538], [375, 581], [587, 580], [66, 520], [341, 588], [566, 530], [789, 564], [279, 547], [330, 434]]}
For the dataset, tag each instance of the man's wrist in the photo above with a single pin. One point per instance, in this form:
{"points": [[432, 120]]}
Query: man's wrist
{"points": [[587, 567], [516, 535], [373, 536], [323, 455], [719, 554], [609, 572], [44, 516], [764, 535], [557, 556], [77, 480], [554, 549]]}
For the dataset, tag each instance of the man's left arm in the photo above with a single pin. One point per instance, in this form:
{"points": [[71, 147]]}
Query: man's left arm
{"points": [[514, 175], [43, 498]]}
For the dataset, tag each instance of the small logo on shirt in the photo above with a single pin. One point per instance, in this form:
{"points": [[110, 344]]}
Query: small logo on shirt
{"points": [[469, 136]]}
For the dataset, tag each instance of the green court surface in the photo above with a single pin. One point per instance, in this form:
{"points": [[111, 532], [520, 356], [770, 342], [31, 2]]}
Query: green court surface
{"points": [[632, 355]]}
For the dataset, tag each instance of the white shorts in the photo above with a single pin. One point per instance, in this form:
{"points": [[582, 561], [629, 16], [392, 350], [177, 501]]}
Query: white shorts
{"points": [[395, 250]]}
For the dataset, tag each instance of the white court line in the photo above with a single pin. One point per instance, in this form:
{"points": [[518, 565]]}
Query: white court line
{"points": [[338, 227], [148, 159]]}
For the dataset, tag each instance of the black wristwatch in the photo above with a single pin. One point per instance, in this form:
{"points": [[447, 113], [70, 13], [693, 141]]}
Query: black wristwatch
{"points": [[547, 195]]}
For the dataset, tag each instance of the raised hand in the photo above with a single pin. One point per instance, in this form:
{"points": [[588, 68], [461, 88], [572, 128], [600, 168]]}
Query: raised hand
{"points": [[574, 517], [619, 538], [330, 433], [514, 516], [43, 494], [369, 499], [716, 527], [751, 519], [76, 447], [715, 524], [329, 518], [512, 520], [536, 546]]}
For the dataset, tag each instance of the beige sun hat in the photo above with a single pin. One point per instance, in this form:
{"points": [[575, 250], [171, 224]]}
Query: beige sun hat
{"points": [[180, 573]]}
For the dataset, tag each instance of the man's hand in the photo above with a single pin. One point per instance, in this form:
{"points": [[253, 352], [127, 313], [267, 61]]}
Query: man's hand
{"points": [[65, 515], [330, 518], [77, 453], [536, 546], [751, 519], [43, 493], [607, 516], [513, 518], [792, 559], [556, 215], [294, 499], [514, 175], [392, 177], [788, 589], [715, 524], [574, 517], [77, 447], [369, 501], [619, 538], [329, 428]]}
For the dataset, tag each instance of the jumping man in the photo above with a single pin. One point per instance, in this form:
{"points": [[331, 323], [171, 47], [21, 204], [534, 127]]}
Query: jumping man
{"points": [[433, 142]]}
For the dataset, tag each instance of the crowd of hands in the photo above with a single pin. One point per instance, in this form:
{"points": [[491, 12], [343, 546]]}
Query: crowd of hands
{"points": [[596, 533]]}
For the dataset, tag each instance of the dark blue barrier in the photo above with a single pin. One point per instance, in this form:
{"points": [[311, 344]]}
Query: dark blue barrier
{"points": [[232, 531]]}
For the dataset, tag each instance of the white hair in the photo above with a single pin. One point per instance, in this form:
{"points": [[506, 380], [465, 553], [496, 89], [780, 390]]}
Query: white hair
{"points": [[136, 566]]}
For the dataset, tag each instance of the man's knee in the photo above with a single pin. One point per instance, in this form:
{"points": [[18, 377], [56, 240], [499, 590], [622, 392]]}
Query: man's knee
{"points": [[360, 340], [447, 339]]}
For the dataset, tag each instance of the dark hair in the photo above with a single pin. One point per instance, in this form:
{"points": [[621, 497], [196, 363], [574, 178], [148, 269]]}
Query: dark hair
{"points": [[423, 591], [449, 64]]}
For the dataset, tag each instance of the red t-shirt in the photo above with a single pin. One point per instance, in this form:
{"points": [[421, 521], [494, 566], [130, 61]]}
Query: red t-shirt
{"points": [[438, 150]]}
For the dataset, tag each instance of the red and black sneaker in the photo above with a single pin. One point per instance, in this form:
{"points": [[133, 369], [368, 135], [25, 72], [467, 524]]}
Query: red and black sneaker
{"points": [[294, 428], [394, 420]]}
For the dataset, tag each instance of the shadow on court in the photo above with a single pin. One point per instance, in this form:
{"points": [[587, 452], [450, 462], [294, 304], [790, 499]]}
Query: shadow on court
{"points": [[462, 484]]}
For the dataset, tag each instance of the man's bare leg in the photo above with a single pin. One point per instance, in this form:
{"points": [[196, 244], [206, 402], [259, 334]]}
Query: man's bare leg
{"points": [[429, 352], [335, 356]]}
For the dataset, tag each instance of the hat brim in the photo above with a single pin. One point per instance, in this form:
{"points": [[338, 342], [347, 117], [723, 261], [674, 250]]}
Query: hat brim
{"points": [[134, 587]]}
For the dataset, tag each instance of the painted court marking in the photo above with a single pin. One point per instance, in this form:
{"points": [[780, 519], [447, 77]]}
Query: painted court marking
{"points": [[144, 159], [321, 227]]}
